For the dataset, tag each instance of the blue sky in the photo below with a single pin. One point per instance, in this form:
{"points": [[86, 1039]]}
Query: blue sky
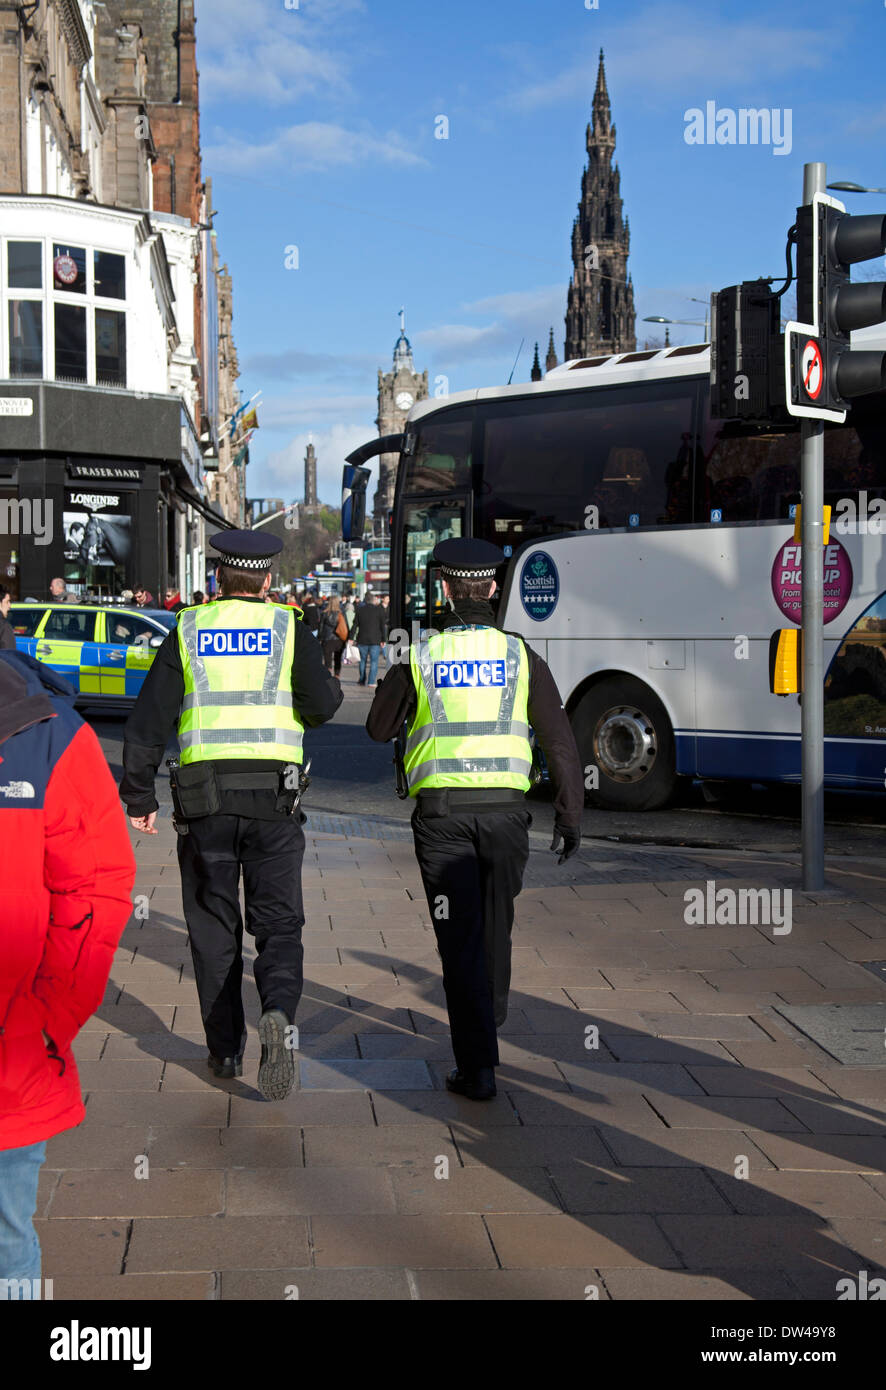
{"points": [[318, 131]]}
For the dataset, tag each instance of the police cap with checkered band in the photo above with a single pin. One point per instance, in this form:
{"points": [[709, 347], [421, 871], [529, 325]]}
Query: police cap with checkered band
{"points": [[468, 559], [246, 550]]}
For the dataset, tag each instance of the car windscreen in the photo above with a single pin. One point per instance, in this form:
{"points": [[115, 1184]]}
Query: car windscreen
{"points": [[160, 616]]}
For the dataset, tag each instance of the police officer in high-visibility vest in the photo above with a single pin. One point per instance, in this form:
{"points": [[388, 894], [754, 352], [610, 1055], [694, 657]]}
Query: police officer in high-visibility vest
{"points": [[238, 680], [468, 695]]}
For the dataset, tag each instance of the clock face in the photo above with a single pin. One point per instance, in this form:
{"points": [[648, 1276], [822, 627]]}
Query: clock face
{"points": [[403, 400]]}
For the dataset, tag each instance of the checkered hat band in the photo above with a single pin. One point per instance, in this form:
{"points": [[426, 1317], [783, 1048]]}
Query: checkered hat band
{"points": [[239, 564], [469, 574]]}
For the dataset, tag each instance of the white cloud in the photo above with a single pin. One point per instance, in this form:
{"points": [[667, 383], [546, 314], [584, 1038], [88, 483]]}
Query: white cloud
{"points": [[272, 54], [280, 365], [281, 412], [458, 338], [282, 472], [310, 146], [273, 72], [509, 317], [667, 49], [520, 303]]}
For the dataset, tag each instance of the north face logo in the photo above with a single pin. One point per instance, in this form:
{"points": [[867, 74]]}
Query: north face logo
{"points": [[17, 790]]}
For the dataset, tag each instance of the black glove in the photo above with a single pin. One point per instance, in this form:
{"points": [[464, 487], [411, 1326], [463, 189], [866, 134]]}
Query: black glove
{"points": [[571, 837]]}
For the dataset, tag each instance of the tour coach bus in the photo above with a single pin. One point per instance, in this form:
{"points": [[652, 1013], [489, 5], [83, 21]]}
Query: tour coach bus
{"points": [[650, 555]]}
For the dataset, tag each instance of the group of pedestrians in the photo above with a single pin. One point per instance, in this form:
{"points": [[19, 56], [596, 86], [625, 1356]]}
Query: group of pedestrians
{"points": [[343, 625]]}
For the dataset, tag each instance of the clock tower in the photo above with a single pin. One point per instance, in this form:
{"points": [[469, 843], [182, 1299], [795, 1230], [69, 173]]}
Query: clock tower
{"points": [[398, 391]]}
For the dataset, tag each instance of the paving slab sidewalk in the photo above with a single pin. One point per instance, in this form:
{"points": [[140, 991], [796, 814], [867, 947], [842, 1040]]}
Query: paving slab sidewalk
{"points": [[675, 1117]]}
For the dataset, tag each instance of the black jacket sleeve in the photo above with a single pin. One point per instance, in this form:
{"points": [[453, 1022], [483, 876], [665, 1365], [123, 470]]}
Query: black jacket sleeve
{"points": [[394, 703], [150, 727], [554, 733], [315, 693]]}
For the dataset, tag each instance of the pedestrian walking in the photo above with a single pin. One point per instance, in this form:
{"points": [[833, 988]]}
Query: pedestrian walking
{"points": [[349, 610], [468, 695], [59, 593], [66, 876], [368, 632], [333, 633], [385, 605], [240, 680], [7, 636]]}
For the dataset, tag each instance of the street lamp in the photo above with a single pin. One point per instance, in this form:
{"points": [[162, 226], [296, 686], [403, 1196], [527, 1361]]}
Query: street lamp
{"points": [[707, 314], [697, 323], [855, 188]]}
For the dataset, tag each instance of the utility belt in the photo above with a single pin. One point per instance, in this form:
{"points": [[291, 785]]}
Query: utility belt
{"points": [[440, 801], [197, 788]]}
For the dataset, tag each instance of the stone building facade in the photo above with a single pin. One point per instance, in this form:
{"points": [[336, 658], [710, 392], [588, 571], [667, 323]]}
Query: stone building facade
{"points": [[51, 119], [226, 487], [112, 359]]}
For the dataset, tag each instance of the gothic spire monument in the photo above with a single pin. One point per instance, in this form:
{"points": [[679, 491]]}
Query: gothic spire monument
{"points": [[600, 305], [551, 358], [311, 476], [398, 390]]}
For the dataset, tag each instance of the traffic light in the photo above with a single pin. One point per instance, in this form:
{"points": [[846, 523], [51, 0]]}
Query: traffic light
{"points": [[822, 372], [745, 352]]}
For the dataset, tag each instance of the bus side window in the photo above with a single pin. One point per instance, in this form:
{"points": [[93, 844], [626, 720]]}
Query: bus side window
{"points": [[546, 465], [851, 463], [751, 473]]}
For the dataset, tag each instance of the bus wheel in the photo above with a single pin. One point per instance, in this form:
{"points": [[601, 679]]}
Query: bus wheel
{"points": [[622, 730]]}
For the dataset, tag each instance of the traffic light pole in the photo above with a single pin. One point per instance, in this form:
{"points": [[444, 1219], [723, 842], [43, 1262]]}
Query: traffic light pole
{"points": [[812, 706]]}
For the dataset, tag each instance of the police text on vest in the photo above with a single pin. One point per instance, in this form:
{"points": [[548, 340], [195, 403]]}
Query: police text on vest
{"points": [[239, 641], [469, 673]]}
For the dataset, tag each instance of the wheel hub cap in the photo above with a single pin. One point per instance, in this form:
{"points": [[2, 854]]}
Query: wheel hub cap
{"points": [[624, 744]]}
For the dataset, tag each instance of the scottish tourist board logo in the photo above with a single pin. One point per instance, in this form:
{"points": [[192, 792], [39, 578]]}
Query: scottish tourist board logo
{"points": [[539, 585]]}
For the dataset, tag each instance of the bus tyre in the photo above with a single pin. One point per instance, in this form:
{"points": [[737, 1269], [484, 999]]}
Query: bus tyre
{"points": [[623, 731]]}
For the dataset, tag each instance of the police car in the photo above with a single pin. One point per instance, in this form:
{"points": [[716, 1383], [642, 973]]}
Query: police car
{"points": [[105, 653]]}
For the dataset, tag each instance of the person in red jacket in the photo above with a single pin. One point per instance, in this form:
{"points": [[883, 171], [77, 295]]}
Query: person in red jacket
{"points": [[66, 877]]}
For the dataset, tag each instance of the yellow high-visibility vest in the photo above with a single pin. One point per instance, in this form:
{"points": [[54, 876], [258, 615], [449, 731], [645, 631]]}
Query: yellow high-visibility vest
{"points": [[237, 663], [471, 725]]}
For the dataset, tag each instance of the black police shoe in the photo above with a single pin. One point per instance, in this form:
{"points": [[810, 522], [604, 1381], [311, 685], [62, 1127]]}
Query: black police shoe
{"points": [[225, 1066], [276, 1071], [476, 1085]]}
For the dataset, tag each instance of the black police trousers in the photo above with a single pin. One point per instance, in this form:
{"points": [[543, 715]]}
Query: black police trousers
{"points": [[472, 867], [211, 857]]}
